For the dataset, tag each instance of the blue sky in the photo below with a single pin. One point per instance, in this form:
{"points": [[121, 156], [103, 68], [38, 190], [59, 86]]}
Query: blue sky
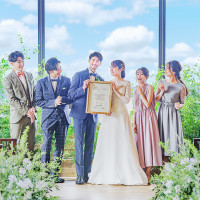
{"points": [[126, 30]]}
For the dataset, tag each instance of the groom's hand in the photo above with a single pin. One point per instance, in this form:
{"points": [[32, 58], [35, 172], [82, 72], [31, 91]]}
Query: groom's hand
{"points": [[86, 84]]}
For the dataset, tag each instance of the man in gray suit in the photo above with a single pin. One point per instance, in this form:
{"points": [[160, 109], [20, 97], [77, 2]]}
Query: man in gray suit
{"points": [[20, 91]]}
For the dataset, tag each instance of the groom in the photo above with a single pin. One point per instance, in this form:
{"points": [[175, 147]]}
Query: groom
{"points": [[84, 123]]}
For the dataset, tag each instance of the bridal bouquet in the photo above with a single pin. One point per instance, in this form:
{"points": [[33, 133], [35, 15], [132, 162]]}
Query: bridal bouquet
{"points": [[23, 177], [180, 178]]}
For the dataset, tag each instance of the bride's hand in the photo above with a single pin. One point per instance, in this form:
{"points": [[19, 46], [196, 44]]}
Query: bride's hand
{"points": [[114, 86], [109, 114]]}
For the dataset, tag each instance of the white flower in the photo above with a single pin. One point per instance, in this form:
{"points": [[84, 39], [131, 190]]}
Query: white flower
{"points": [[167, 192], [190, 167], [12, 179], [40, 184], [184, 161], [193, 161], [26, 183], [168, 183], [177, 188], [22, 171], [28, 195], [167, 167], [27, 163], [3, 170]]}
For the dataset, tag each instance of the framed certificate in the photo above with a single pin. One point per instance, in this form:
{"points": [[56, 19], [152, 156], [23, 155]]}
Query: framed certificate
{"points": [[99, 97]]}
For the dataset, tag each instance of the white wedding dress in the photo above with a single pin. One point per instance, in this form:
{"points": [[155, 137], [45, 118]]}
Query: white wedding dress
{"points": [[116, 157]]}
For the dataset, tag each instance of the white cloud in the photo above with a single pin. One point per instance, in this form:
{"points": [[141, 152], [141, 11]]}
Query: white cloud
{"points": [[179, 50], [127, 38], [191, 61], [30, 5], [91, 12], [9, 30], [56, 39], [30, 19], [133, 46], [141, 6]]}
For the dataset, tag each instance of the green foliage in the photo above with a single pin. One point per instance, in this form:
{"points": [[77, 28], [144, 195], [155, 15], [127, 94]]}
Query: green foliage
{"points": [[4, 120], [190, 113], [179, 179], [4, 67], [157, 77], [27, 51], [24, 176]]}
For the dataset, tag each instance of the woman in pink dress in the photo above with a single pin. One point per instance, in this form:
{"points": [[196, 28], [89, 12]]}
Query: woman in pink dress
{"points": [[145, 123]]}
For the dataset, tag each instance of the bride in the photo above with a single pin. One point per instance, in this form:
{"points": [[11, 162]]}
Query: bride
{"points": [[116, 157]]}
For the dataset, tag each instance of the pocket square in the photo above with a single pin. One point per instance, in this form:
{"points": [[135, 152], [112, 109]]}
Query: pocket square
{"points": [[64, 88]]}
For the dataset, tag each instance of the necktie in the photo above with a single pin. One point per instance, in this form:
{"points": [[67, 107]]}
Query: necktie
{"points": [[93, 74], [20, 73]]}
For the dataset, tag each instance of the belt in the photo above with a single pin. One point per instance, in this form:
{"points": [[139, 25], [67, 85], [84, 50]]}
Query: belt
{"points": [[167, 103]]}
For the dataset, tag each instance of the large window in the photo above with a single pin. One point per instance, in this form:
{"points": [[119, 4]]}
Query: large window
{"points": [[183, 31], [19, 17]]}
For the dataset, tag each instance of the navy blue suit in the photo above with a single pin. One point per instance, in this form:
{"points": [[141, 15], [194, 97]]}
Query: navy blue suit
{"points": [[84, 123], [54, 119]]}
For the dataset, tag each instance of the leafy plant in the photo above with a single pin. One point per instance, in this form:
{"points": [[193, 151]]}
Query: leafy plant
{"points": [[190, 113], [180, 178], [24, 176]]}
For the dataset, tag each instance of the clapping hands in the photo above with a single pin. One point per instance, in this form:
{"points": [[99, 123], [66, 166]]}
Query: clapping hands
{"points": [[177, 105], [162, 87], [139, 89], [58, 101]]}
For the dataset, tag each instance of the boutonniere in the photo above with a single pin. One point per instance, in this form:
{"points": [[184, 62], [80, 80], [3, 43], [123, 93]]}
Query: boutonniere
{"points": [[97, 79]]}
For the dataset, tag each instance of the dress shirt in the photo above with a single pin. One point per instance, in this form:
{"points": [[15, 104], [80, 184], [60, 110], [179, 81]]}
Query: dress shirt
{"points": [[22, 79], [54, 83]]}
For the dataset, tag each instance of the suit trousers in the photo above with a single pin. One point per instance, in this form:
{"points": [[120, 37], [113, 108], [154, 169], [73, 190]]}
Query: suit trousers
{"points": [[16, 131], [85, 130], [58, 124]]}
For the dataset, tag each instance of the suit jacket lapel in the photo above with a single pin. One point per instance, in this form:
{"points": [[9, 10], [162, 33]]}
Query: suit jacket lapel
{"points": [[50, 87], [59, 86], [17, 80], [29, 86], [87, 75]]}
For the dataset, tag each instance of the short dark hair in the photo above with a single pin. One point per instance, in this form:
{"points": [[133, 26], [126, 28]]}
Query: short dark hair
{"points": [[97, 54], [51, 64], [14, 55]]}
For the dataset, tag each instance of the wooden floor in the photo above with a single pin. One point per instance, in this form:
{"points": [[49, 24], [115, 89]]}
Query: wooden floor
{"points": [[70, 191]]}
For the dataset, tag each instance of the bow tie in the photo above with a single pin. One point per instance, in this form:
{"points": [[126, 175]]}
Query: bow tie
{"points": [[54, 79], [93, 74], [20, 73]]}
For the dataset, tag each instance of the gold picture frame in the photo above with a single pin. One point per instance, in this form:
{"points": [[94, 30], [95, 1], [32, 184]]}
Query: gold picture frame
{"points": [[99, 96]]}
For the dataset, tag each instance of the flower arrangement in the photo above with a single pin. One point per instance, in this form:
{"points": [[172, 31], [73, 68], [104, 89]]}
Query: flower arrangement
{"points": [[23, 176], [180, 178]]}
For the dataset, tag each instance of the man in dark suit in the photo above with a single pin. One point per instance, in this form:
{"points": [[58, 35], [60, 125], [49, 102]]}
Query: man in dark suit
{"points": [[51, 95], [84, 123], [20, 91]]}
